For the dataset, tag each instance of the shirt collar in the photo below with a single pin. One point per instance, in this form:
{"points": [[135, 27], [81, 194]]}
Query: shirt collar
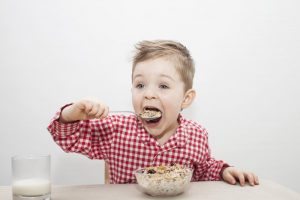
{"points": [[142, 133], [181, 135]]}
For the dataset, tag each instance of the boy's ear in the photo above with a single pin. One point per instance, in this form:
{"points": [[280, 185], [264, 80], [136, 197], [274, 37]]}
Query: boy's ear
{"points": [[188, 98]]}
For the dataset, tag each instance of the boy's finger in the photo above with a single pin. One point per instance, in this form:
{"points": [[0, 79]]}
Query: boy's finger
{"points": [[94, 110], [99, 113], [250, 178], [242, 179], [106, 111], [256, 180], [102, 112], [240, 176], [87, 106], [229, 178]]}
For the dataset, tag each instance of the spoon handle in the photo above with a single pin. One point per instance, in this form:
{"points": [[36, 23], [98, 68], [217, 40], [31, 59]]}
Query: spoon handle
{"points": [[121, 111]]}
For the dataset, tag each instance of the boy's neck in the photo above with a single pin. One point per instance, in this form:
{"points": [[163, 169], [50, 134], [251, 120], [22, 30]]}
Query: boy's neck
{"points": [[166, 136]]}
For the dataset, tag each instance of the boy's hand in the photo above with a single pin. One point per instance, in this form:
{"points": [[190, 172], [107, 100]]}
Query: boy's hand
{"points": [[83, 110], [231, 175]]}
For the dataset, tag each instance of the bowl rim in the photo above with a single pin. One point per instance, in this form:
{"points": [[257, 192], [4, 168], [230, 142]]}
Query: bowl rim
{"points": [[138, 170]]}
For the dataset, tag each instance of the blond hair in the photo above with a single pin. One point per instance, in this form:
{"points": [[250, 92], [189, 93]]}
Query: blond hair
{"points": [[175, 51]]}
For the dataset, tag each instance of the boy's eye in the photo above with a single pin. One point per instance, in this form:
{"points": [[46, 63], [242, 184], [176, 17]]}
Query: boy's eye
{"points": [[140, 85], [162, 86]]}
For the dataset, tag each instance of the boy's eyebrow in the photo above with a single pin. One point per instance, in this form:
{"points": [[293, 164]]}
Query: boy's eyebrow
{"points": [[163, 75], [137, 75], [169, 77]]}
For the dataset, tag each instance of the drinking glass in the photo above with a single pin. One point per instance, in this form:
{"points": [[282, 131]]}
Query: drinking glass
{"points": [[31, 177]]}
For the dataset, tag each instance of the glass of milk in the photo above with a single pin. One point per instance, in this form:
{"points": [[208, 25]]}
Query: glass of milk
{"points": [[31, 177]]}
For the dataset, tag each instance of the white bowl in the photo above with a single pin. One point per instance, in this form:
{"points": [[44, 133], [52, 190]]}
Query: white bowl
{"points": [[166, 181]]}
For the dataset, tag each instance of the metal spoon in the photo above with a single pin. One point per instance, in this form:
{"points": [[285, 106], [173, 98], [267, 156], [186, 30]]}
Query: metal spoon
{"points": [[145, 115], [149, 115]]}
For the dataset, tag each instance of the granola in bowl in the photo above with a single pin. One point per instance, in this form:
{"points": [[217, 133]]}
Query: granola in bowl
{"points": [[164, 180]]}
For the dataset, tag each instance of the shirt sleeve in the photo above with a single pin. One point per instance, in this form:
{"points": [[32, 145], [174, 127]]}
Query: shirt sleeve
{"points": [[88, 137], [208, 169]]}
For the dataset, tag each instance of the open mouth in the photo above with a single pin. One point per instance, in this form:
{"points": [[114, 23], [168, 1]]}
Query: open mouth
{"points": [[151, 114]]}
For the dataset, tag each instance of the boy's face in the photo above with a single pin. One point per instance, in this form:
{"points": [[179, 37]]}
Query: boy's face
{"points": [[156, 84]]}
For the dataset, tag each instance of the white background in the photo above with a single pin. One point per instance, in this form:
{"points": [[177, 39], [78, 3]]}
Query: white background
{"points": [[54, 52]]}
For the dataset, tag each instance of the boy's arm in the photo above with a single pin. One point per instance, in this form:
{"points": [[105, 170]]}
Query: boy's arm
{"points": [[211, 169], [208, 169], [79, 136]]}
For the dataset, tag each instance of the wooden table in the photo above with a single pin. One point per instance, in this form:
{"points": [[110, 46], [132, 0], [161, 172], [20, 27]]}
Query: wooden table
{"points": [[208, 190]]}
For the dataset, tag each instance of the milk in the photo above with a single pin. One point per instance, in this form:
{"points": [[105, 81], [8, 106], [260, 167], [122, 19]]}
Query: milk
{"points": [[31, 187]]}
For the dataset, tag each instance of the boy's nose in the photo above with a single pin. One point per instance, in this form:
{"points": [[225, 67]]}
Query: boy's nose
{"points": [[150, 94]]}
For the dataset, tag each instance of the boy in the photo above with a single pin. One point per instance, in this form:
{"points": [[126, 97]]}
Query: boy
{"points": [[162, 80]]}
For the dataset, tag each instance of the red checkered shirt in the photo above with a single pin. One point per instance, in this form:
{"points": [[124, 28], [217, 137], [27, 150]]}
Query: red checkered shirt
{"points": [[126, 146]]}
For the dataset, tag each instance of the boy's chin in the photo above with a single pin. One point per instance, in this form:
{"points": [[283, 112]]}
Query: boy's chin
{"points": [[156, 135], [153, 132]]}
